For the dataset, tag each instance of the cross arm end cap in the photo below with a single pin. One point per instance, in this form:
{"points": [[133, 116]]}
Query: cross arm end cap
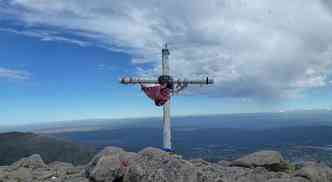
{"points": [[125, 80], [209, 81]]}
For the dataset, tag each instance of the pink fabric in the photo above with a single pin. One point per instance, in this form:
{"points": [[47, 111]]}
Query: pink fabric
{"points": [[157, 93]]}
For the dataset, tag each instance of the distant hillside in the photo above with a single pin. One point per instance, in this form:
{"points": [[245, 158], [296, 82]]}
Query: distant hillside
{"points": [[16, 145]]}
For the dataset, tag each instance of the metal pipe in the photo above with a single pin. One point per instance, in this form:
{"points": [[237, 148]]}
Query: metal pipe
{"points": [[167, 137], [134, 80]]}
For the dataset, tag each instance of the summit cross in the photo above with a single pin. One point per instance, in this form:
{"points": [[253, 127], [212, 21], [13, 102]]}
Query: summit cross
{"points": [[176, 84]]}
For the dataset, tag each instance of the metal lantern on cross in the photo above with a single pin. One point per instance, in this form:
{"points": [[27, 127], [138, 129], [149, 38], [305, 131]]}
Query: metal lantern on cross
{"points": [[166, 83]]}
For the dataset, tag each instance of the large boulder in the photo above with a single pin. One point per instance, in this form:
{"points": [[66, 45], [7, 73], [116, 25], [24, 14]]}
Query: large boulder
{"points": [[271, 160], [109, 165], [26, 169], [154, 165], [32, 162], [33, 169], [315, 172]]}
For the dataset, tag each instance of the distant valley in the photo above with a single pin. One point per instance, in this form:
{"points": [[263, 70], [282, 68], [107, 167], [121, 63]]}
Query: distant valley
{"points": [[301, 135], [214, 144]]}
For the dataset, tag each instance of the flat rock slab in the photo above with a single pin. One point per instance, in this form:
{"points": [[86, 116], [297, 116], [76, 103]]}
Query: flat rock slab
{"points": [[270, 160]]}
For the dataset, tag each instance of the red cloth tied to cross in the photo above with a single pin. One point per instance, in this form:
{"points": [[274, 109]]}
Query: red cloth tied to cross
{"points": [[159, 94]]}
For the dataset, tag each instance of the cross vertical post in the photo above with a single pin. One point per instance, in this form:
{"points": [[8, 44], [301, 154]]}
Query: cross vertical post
{"points": [[167, 144]]}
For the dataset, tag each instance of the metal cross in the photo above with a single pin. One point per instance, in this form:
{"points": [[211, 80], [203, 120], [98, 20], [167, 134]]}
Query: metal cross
{"points": [[178, 85]]}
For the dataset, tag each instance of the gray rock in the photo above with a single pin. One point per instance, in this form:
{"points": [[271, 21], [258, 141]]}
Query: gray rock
{"points": [[32, 162], [209, 173], [63, 168], [239, 174], [224, 163], [109, 165], [199, 162], [33, 169], [60, 165], [27, 169], [315, 172], [270, 160], [293, 179], [154, 165]]}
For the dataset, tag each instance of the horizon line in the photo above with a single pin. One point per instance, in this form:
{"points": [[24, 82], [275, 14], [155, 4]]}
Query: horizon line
{"points": [[150, 117]]}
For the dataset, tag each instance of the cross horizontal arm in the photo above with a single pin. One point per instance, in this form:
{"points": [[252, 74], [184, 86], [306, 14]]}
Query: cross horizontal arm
{"points": [[205, 81], [134, 80]]}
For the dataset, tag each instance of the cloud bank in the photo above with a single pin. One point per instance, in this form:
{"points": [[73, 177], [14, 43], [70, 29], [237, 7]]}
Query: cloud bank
{"points": [[11, 74], [253, 48]]}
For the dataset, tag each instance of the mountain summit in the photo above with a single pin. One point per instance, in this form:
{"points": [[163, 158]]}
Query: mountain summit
{"points": [[153, 165]]}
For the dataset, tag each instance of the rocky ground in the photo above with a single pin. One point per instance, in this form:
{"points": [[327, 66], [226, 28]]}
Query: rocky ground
{"points": [[153, 165]]}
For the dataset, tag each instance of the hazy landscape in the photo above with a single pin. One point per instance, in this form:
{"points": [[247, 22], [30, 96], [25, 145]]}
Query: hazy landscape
{"points": [[299, 136]]}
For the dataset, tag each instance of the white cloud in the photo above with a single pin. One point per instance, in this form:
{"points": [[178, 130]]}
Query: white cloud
{"points": [[253, 48], [104, 67], [46, 36], [12, 74]]}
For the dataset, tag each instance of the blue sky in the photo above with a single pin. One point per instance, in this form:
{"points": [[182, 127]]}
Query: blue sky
{"points": [[61, 60], [72, 82]]}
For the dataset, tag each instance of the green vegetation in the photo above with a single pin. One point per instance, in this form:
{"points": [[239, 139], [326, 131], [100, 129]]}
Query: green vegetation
{"points": [[15, 145]]}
